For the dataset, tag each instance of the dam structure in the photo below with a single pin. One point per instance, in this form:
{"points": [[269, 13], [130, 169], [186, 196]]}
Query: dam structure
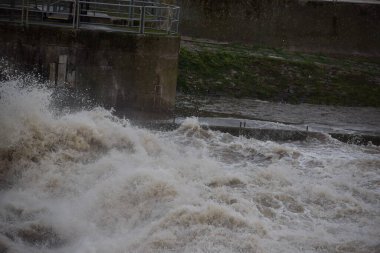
{"points": [[123, 53]]}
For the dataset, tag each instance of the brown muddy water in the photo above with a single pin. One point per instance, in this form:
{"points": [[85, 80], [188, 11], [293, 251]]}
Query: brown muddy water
{"points": [[88, 181]]}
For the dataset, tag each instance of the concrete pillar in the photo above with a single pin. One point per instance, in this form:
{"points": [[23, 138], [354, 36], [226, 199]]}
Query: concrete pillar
{"points": [[121, 70]]}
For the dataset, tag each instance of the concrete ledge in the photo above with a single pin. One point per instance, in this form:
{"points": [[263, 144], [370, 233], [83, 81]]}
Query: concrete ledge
{"points": [[281, 135]]}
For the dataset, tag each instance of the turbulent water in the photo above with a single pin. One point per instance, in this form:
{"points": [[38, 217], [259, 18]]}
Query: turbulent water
{"points": [[91, 182], [321, 118]]}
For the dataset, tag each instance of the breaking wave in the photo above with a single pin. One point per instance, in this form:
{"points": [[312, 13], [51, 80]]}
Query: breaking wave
{"points": [[88, 181]]}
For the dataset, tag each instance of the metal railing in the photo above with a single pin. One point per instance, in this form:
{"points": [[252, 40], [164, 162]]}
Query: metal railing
{"points": [[120, 15]]}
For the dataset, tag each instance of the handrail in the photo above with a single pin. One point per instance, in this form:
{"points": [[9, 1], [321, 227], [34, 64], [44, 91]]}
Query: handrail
{"points": [[135, 16]]}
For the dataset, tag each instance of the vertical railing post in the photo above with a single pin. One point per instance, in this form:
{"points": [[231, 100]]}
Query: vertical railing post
{"points": [[78, 13], [142, 19], [131, 12], [178, 17], [27, 13], [48, 7], [22, 12], [74, 13], [169, 27], [12, 10]]}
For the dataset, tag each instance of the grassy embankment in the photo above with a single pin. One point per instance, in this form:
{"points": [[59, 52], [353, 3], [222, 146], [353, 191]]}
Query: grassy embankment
{"points": [[278, 75]]}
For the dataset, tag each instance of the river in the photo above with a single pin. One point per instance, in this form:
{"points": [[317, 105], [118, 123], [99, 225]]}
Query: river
{"points": [[87, 181]]}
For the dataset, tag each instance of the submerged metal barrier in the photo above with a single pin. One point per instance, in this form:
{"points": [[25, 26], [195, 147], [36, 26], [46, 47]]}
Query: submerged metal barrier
{"points": [[120, 15]]}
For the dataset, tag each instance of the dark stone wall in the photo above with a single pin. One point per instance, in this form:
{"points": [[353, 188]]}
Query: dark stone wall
{"points": [[120, 70], [297, 25]]}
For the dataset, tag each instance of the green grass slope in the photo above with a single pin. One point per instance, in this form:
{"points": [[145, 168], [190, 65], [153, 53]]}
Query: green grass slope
{"points": [[277, 75]]}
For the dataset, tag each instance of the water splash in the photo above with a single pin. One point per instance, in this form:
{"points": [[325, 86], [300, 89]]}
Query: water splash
{"points": [[88, 181]]}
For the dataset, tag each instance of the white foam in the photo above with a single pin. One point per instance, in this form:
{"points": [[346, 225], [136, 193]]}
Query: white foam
{"points": [[90, 182]]}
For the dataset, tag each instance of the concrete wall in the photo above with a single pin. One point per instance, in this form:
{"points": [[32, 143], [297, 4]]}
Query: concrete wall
{"points": [[299, 25], [120, 70]]}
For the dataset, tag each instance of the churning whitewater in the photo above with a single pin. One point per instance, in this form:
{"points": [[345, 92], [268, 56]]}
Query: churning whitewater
{"points": [[88, 181]]}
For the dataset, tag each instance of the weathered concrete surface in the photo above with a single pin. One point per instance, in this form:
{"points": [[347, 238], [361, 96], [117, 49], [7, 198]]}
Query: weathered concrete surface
{"points": [[347, 28], [120, 70]]}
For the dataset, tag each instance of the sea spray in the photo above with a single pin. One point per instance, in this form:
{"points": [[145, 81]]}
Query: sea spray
{"points": [[87, 181]]}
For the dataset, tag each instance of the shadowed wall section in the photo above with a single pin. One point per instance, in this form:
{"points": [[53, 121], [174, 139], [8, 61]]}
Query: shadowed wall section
{"points": [[297, 25]]}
